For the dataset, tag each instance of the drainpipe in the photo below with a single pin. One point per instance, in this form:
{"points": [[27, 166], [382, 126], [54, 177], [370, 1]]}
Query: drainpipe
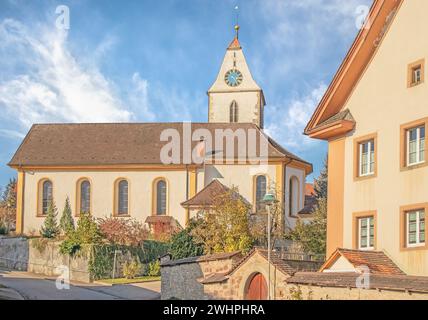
{"points": [[187, 195]]}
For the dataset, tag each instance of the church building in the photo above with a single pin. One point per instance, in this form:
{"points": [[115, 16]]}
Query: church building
{"points": [[117, 169]]}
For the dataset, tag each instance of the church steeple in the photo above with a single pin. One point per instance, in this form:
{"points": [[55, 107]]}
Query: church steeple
{"points": [[235, 85]]}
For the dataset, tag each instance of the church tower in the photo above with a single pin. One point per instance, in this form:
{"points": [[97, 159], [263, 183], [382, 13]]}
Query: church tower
{"points": [[235, 97]]}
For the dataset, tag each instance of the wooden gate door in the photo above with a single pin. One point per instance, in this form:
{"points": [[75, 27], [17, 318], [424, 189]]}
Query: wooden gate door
{"points": [[257, 288]]}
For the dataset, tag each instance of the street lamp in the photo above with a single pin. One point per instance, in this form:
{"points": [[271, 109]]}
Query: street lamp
{"points": [[269, 199]]}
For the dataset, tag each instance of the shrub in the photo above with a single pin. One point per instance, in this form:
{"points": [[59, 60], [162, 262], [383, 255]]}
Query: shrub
{"points": [[67, 222], [69, 246], [3, 229], [87, 231], [102, 256], [183, 245], [128, 232], [154, 269], [225, 228], [131, 269], [50, 227]]}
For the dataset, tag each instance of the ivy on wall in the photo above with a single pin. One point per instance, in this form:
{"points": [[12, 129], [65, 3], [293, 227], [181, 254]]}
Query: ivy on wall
{"points": [[101, 261]]}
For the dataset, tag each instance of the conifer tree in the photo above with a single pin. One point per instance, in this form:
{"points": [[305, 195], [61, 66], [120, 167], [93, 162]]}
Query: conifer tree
{"points": [[67, 222], [50, 227], [321, 183]]}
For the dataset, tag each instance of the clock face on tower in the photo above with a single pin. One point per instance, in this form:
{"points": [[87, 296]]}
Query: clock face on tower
{"points": [[233, 78]]}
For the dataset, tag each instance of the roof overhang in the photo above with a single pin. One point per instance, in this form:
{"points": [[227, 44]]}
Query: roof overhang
{"points": [[353, 66], [334, 129]]}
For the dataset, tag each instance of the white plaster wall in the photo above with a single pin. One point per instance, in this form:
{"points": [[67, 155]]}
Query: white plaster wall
{"points": [[140, 193], [140, 189], [380, 104], [341, 265], [241, 176]]}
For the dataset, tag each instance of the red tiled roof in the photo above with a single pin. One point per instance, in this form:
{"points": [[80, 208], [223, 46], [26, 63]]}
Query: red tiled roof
{"points": [[309, 189], [206, 196], [118, 144], [377, 262], [287, 267]]}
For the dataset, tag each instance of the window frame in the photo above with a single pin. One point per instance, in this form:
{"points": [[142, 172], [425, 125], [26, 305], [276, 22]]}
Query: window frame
{"points": [[358, 145], [356, 239], [404, 145], [370, 144], [291, 195], [116, 198], [155, 197], [40, 190], [79, 195], [411, 69], [418, 231], [359, 231], [255, 204], [418, 146], [404, 243]]}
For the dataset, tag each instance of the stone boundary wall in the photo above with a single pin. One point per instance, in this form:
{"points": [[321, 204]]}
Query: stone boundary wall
{"points": [[14, 253], [23, 255], [180, 282], [330, 293], [49, 261]]}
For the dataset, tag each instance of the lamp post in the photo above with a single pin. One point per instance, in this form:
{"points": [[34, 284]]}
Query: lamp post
{"points": [[269, 199]]}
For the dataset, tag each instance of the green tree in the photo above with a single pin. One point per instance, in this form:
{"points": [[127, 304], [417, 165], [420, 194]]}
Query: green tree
{"points": [[321, 183], [50, 227], [225, 227], [259, 222], [8, 206], [183, 245], [67, 222], [87, 230], [312, 236], [8, 196]]}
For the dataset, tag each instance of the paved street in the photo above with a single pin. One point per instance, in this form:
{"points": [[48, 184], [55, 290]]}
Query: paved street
{"points": [[36, 287]]}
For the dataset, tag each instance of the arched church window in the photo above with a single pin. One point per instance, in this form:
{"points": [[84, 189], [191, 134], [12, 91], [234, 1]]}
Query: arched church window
{"points": [[45, 196], [161, 197], [84, 196], [234, 112], [122, 197], [260, 193], [294, 196]]}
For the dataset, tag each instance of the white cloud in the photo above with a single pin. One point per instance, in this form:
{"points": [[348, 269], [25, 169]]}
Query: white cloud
{"points": [[288, 126], [139, 98], [52, 86], [45, 83]]}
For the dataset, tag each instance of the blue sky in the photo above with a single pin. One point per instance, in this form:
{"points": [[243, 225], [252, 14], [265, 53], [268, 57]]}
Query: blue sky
{"points": [[145, 60]]}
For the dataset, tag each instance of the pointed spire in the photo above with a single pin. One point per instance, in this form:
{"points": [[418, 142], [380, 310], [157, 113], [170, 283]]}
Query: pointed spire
{"points": [[235, 45]]}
